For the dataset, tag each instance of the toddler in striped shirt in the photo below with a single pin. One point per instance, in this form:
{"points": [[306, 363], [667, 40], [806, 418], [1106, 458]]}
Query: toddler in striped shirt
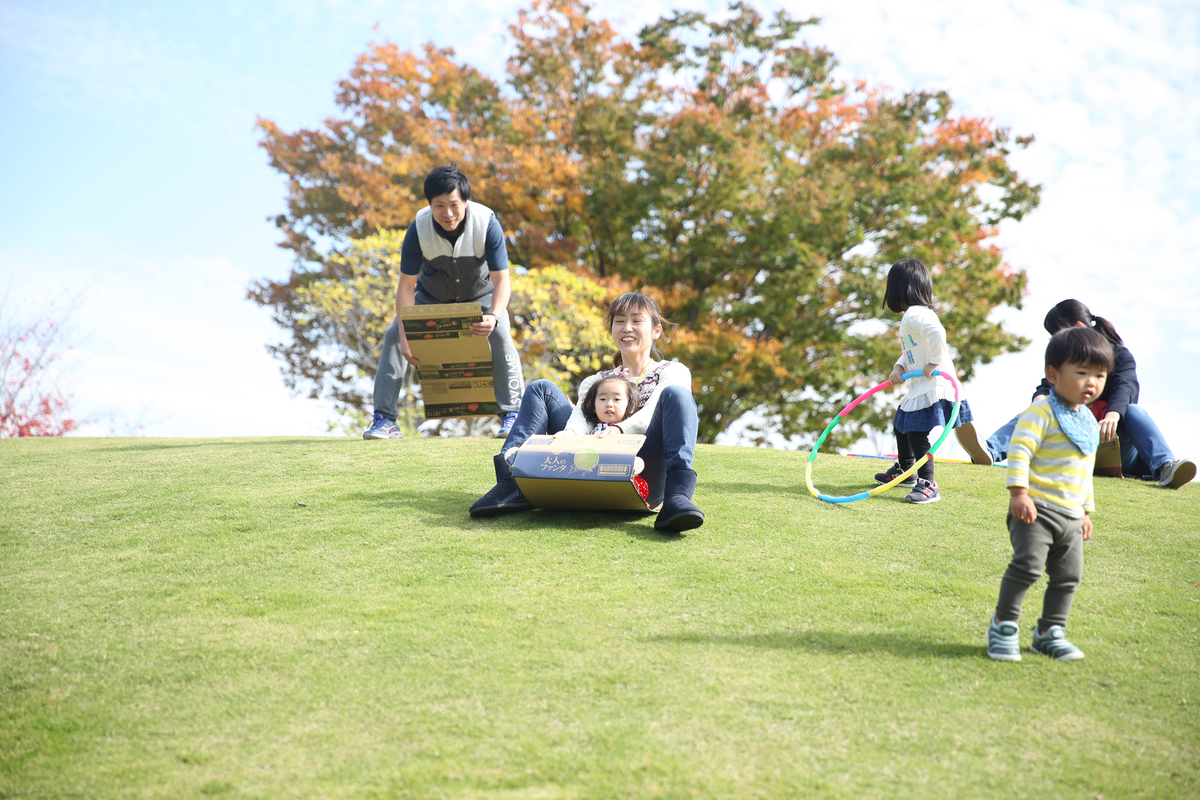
{"points": [[1050, 462]]}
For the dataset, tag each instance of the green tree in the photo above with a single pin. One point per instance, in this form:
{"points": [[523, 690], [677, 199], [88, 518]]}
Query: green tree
{"points": [[715, 163]]}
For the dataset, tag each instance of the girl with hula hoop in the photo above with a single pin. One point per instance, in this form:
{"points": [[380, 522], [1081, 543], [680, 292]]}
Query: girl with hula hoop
{"points": [[928, 403]]}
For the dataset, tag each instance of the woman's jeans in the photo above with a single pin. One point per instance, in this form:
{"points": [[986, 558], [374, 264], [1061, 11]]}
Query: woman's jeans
{"points": [[670, 439], [1143, 448]]}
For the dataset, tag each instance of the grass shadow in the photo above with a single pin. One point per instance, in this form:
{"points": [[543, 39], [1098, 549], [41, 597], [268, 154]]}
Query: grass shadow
{"points": [[198, 443], [834, 642]]}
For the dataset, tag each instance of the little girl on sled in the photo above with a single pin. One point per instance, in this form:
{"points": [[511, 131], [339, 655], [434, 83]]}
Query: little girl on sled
{"points": [[928, 401], [607, 404]]}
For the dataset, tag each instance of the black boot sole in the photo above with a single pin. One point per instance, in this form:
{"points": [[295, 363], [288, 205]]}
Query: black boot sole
{"points": [[500, 508], [680, 522]]}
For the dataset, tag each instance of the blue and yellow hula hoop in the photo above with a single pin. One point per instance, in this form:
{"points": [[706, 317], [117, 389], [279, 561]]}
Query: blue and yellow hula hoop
{"points": [[842, 415]]}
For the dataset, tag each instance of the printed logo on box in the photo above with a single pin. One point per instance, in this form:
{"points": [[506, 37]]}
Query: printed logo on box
{"points": [[418, 326]]}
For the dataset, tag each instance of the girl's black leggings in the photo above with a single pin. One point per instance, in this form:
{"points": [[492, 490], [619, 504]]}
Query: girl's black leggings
{"points": [[910, 447]]}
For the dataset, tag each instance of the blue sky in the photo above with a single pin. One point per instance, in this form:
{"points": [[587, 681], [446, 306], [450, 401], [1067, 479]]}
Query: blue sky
{"points": [[131, 179]]}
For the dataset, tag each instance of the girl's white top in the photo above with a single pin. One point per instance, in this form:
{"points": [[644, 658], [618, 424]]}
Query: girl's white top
{"points": [[923, 341], [650, 383]]}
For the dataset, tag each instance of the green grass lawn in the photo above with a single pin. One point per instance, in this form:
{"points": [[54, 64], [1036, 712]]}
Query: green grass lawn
{"points": [[275, 618]]}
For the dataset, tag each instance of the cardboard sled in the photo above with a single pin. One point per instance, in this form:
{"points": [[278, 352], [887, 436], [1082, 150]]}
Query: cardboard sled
{"points": [[456, 367], [581, 472], [1108, 459]]}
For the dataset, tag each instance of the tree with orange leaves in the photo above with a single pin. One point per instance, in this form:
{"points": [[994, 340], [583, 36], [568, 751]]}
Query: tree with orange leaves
{"points": [[718, 164]]}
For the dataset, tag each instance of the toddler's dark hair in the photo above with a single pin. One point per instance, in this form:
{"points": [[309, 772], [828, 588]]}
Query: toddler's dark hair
{"points": [[1079, 346], [444, 180], [908, 284], [1068, 312], [589, 401]]}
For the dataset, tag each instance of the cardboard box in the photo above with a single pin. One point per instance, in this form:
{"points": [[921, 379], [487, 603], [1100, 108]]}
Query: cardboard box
{"points": [[1108, 459], [456, 367], [582, 472]]}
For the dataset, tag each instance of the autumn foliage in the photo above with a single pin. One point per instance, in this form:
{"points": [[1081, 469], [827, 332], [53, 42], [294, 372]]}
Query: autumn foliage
{"points": [[30, 403], [716, 163]]}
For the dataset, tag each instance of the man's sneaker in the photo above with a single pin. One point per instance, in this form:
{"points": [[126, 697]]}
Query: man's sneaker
{"points": [[1174, 474], [1003, 641], [382, 428], [893, 471], [1054, 644], [926, 492], [968, 437], [506, 423]]}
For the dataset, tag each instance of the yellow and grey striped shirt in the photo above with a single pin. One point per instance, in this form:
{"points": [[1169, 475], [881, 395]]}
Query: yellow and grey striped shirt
{"points": [[1042, 459]]}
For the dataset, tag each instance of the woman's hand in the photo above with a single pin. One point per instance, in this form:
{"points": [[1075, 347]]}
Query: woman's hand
{"points": [[1108, 426], [896, 375]]}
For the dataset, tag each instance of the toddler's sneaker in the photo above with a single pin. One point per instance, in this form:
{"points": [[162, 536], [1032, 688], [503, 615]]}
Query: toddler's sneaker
{"points": [[382, 428], [893, 471], [1054, 644], [1176, 473], [506, 423], [1003, 641], [926, 492]]}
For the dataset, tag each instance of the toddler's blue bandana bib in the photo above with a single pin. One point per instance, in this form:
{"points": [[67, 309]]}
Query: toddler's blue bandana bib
{"points": [[1078, 424]]}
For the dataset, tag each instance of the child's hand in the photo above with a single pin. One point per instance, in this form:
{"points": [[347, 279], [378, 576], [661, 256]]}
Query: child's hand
{"points": [[896, 376], [1087, 526], [565, 432], [609, 431], [1021, 507], [929, 370]]}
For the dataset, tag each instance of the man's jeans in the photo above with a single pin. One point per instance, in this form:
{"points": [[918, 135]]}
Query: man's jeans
{"points": [[1143, 447], [506, 364], [670, 438]]}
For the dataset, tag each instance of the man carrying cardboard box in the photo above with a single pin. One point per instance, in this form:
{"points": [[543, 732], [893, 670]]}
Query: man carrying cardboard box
{"points": [[453, 253]]}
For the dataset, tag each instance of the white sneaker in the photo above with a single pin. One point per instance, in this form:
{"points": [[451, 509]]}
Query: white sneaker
{"points": [[969, 438]]}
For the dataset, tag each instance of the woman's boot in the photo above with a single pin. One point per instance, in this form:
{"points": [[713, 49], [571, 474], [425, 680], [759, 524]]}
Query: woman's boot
{"points": [[504, 497], [678, 514]]}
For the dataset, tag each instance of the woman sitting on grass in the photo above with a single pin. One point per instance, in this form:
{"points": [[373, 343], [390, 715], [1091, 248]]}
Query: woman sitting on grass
{"points": [[666, 415], [1144, 450]]}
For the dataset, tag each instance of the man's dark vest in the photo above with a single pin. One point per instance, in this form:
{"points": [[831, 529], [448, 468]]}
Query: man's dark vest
{"points": [[455, 273]]}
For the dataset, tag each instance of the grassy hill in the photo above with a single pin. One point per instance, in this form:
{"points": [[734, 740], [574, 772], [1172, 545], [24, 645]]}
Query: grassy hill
{"points": [[275, 618]]}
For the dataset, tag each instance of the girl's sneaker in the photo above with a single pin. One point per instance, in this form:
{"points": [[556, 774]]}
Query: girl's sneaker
{"points": [[1054, 644], [893, 471], [926, 492], [1003, 641]]}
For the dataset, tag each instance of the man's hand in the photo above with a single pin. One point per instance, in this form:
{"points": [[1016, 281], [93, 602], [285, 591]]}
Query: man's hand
{"points": [[406, 352], [1108, 426], [485, 326], [1087, 526], [1020, 506]]}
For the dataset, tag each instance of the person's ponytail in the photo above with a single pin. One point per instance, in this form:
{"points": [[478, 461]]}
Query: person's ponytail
{"points": [[1106, 328]]}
